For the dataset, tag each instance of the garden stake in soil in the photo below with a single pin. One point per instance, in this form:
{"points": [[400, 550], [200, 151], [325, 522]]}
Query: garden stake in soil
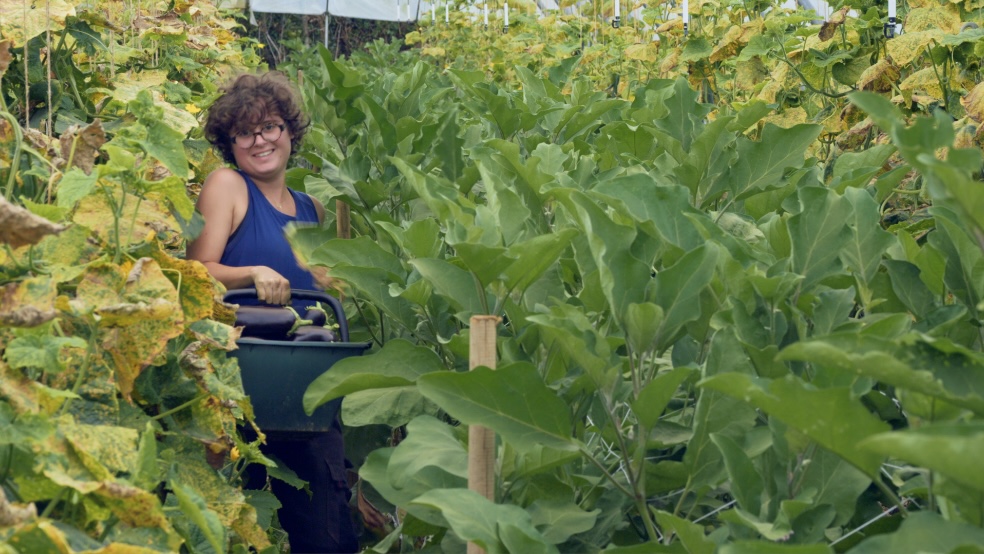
{"points": [[481, 440]]}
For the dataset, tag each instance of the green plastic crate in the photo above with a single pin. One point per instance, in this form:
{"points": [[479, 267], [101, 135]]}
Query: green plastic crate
{"points": [[277, 373]]}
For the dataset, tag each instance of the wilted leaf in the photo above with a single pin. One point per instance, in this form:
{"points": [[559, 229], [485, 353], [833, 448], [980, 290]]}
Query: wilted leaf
{"points": [[881, 76], [5, 56], [27, 303], [973, 103], [12, 514], [19, 227], [729, 44], [81, 146], [830, 26]]}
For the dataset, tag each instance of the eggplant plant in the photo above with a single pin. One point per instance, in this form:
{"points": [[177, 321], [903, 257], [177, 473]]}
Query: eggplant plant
{"points": [[707, 344]]}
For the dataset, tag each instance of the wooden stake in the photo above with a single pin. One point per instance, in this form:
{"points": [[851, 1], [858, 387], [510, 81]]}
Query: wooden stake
{"points": [[343, 219], [481, 440]]}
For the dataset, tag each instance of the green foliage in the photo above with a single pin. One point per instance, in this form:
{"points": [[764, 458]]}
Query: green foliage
{"points": [[699, 325]]}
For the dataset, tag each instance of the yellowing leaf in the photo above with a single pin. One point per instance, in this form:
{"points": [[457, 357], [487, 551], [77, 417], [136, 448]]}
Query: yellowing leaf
{"points": [[27, 303], [41, 536], [973, 103], [112, 447], [23, 21], [197, 286], [925, 81], [788, 118], [139, 217], [909, 46], [879, 77], [945, 19], [152, 316], [17, 389], [433, 51], [670, 25], [728, 46], [644, 52]]}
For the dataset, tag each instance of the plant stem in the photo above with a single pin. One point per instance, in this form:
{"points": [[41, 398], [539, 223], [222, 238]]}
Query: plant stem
{"points": [[176, 409], [15, 159]]}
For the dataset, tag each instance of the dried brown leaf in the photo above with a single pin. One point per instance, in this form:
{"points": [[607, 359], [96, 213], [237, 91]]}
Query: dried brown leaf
{"points": [[15, 514], [86, 143], [5, 56], [830, 26], [19, 227], [973, 103], [27, 303]]}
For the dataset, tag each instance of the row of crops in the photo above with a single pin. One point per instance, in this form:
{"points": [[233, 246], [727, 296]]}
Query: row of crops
{"points": [[739, 276]]}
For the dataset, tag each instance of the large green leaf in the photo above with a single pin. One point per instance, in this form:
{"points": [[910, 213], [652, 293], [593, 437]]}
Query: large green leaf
{"points": [[957, 378], [818, 233], [718, 413], [924, 532], [374, 284], [868, 241], [513, 401], [656, 395], [559, 520], [534, 257], [760, 165], [429, 443], [359, 252], [953, 449], [677, 289], [497, 528], [689, 533], [399, 363], [831, 417], [624, 277], [458, 286], [664, 205], [683, 113]]}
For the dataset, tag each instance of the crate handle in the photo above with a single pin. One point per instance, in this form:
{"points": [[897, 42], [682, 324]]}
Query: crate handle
{"points": [[300, 294]]}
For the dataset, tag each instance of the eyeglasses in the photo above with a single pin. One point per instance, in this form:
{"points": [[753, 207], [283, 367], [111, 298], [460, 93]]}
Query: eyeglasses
{"points": [[270, 133]]}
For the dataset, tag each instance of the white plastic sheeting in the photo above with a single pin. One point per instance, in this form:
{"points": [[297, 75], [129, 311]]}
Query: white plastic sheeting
{"points": [[379, 10]]}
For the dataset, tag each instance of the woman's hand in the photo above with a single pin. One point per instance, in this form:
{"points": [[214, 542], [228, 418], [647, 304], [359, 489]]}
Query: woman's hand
{"points": [[271, 287]]}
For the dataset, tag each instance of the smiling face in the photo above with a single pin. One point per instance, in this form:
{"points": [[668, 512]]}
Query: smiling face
{"points": [[265, 160]]}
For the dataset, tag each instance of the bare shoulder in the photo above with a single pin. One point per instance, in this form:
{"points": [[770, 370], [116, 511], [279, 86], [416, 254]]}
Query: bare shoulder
{"points": [[224, 179]]}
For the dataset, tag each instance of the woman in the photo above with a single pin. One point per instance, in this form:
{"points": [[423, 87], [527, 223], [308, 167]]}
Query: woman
{"points": [[257, 124]]}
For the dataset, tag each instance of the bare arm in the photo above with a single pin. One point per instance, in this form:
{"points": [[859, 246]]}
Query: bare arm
{"points": [[223, 202]]}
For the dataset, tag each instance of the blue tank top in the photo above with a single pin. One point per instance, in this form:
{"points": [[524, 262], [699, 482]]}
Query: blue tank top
{"points": [[260, 238]]}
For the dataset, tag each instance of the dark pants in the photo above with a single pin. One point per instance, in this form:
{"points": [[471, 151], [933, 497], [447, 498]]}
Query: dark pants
{"points": [[319, 523]]}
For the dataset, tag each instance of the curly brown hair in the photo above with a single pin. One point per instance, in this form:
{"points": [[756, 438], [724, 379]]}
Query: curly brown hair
{"points": [[246, 101]]}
